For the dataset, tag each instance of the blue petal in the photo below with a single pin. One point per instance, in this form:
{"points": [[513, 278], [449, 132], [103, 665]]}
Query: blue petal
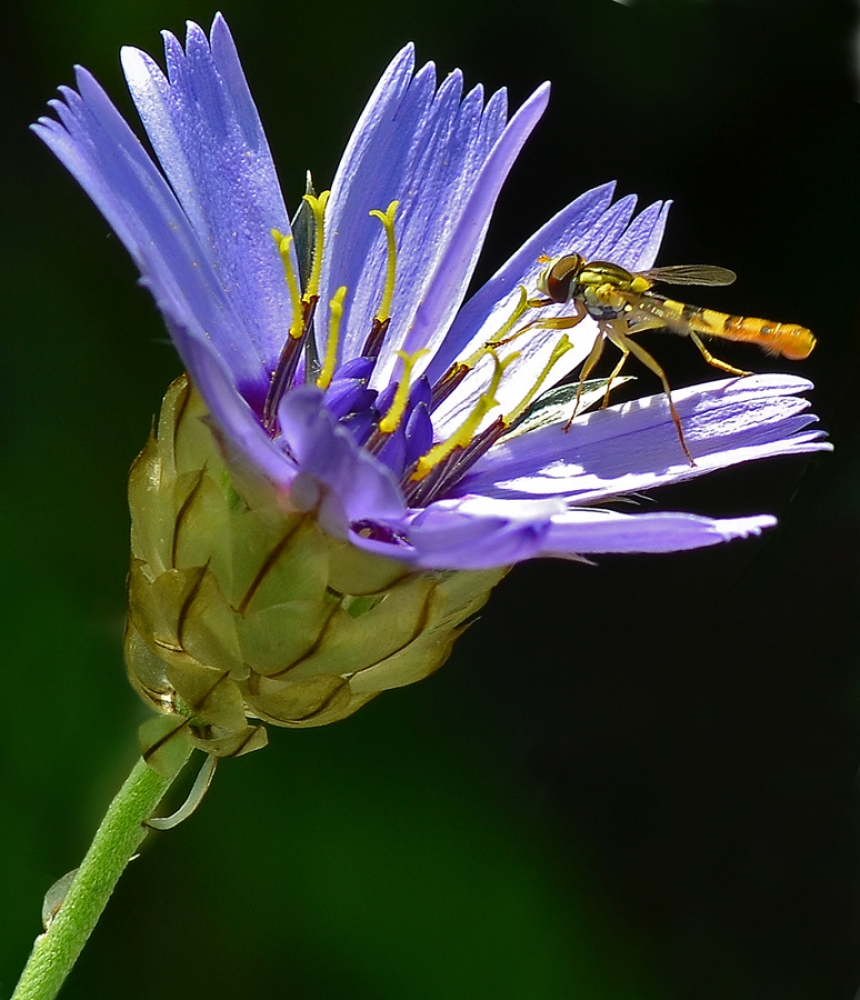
{"points": [[634, 446], [448, 281], [444, 160], [397, 102], [637, 248], [609, 231], [103, 154], [351, 484], [475, 533], [205, 129], [585, 532], [479, 533]]}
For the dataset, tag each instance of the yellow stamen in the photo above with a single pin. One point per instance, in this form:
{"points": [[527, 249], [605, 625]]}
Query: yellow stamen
{"points": [[391, 421], [560, 349], [387, 220], [501, 335], [335, 314], [466, 431], [284, 243], [458, 371], [318, 204]]}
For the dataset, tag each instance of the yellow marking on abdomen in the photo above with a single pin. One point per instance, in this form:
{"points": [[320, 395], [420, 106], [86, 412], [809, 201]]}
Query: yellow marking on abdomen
{"points": [[788, 339]]}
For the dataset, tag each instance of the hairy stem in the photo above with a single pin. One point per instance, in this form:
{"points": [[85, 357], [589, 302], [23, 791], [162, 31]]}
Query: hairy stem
{"points": [[120, 834]]}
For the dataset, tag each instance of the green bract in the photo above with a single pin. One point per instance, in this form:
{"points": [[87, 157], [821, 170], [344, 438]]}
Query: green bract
{"points": [[241, 608]]}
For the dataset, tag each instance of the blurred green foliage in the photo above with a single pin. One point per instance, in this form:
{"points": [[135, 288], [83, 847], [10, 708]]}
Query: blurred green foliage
{"points": [[631, 781]]}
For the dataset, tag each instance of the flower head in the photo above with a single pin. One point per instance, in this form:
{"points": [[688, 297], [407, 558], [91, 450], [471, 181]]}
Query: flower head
{"points": [[336, 356], [359, 456]]}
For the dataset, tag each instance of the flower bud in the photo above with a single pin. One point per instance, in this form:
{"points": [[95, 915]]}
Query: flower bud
{"points": [[241, 608]]}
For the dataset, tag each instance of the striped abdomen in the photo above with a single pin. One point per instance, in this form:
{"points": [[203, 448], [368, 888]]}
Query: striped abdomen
{"points": [[788, 339]]}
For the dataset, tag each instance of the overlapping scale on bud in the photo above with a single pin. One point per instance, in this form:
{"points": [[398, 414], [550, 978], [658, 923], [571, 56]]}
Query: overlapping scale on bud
{"points": [[241, 609]]}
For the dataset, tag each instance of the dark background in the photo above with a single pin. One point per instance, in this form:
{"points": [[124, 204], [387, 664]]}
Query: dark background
{"points": [[630, 781]]}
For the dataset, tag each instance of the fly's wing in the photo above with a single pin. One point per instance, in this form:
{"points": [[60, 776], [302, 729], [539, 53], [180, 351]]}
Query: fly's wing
{"points": [[690, 274]]}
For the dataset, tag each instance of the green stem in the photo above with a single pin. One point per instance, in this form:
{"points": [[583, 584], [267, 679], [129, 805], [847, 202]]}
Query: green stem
{"points": [[116, 840]]}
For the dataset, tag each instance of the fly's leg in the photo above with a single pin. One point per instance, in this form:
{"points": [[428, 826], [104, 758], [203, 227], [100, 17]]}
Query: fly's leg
{"points": [[624, 343], [551, 322], [616, 371], [722, 365], [655, 324], [588, 365]]}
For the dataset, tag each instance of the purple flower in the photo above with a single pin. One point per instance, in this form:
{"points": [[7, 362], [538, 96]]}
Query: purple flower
{"points": [[337, 357]]}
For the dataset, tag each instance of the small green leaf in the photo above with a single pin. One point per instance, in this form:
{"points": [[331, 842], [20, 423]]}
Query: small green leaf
{"points": [[556, 405]]}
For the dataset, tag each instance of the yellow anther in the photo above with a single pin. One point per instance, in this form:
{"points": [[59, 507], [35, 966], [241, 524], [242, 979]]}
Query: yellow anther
{"points": [[387, 220], [466, 431], [560, 349], [283, 244], [318, 204], [335, 314], [391, 421]]}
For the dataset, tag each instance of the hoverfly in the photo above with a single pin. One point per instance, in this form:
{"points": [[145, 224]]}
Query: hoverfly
{"points": [[624, 303]]}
